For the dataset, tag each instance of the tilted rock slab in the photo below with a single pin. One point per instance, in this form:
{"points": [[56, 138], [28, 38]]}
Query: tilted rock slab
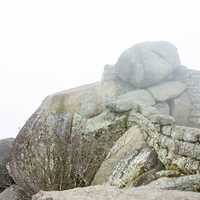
{"points": [[112, 193], [128, 171], [125, 146]]}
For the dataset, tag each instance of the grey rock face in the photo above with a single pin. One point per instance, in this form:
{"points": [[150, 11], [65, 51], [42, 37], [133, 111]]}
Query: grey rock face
{"points": [[177, 147], [59, 148], [13, 193], [5, 148], [147, 63], [128, 171], [112, 193], [126, 145], [167, 90]]}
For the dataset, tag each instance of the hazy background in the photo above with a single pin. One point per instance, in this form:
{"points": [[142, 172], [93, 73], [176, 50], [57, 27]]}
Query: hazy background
{"points": [[47, 46]]}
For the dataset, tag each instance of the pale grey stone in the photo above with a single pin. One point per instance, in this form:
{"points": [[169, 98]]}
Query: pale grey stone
{"points": [[137, 96], [147, 63], [167, 90], [181, 108]]}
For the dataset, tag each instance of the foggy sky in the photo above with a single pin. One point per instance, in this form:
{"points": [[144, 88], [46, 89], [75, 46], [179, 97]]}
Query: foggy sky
{"points": [[47, 46]]}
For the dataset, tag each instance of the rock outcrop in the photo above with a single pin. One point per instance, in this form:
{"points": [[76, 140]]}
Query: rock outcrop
{"points": [[138, 126], [5, 148]]}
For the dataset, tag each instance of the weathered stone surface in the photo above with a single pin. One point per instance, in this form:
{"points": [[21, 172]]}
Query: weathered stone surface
{"points": [[177, 147], [147, 63], [112, 193], [13, 192], [60, 146], [125, 145], [5, 148], [129, 170], [184, 183], [167, 90]]}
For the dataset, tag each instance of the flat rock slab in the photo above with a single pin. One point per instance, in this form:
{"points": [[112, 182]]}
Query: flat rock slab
{"points": [[111, 193], [130, 100], [167, 90]]}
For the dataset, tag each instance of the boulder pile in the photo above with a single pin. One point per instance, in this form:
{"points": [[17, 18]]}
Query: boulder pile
{"points": [[139, 128]]}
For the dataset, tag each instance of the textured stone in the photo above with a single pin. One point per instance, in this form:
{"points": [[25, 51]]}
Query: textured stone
{"points": [[129, 170], [112, 193], [147, 63], [14, 192], [177, 147], [125, 145], [62, 145], [184, 183], [167, 90], [5, 148]]}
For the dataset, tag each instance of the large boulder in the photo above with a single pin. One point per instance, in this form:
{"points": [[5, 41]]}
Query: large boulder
{"points": [[147, 63], [5, 148], [112, 193], [64, 142], [14, 192]]}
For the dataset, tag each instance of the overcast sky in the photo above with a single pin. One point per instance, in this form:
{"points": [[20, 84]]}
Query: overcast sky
{"points": [[47, 46]]}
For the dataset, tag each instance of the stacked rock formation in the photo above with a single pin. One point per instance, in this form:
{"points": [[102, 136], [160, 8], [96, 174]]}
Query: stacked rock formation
{"points": [[137, 127]]}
